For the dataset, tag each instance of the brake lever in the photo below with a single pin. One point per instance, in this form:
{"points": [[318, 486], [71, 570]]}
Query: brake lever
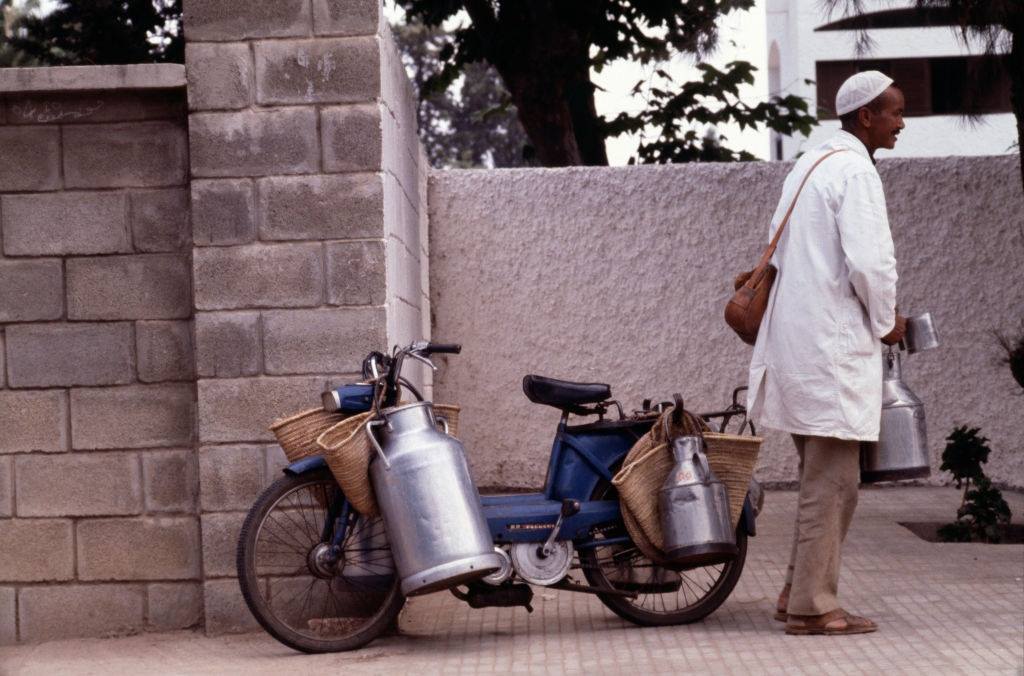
{"points": [[419, 357]]}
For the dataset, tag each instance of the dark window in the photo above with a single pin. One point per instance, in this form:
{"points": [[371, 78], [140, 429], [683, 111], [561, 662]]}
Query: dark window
{"points": [[955, 85]]}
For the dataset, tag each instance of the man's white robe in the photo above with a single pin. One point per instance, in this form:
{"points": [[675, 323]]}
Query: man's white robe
{"points": [[817, 367]]}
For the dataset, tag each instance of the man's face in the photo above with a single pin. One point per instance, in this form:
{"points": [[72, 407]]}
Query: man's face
{"points": [[884, 119]]}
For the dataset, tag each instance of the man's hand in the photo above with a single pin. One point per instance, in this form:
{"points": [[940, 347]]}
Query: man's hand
{"points": [[898, 331]]}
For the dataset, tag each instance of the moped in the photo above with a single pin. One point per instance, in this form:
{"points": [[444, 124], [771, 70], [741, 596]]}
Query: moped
{"points": [[319, 576]]}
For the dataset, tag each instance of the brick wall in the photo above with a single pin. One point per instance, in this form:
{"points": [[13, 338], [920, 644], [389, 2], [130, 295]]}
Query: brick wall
{"points": [[98, 517], [307, 185]]}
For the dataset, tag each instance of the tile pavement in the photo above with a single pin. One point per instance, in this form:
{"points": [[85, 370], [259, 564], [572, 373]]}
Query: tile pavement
{"points": [[943, 609]]}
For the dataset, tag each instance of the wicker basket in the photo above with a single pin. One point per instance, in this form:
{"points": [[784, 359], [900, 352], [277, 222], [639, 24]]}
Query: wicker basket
{"points": [[297, 434], [346, 449], [732, 458]]}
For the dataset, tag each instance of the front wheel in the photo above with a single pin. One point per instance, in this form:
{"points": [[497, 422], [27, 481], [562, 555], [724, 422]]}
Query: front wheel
{"points": [[304, 591], [663, 596]]}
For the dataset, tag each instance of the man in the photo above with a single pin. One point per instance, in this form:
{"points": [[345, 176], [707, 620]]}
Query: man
{"points": [[816, 370]]}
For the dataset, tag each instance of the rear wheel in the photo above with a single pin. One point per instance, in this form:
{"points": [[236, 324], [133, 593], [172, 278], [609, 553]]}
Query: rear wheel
{"points": [[663, 596], [302, 591]]}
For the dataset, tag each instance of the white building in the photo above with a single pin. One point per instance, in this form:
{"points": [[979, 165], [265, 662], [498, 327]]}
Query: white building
{"points": [[923, 52]]}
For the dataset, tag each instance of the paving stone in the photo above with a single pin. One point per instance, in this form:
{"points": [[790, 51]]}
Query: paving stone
{"points": [[223, 212], [6, 486], [34, 420], [230, 477], [8, 616], [65, 223], [126, 105], [355, 273], [144, 286], [343, 206], [226, 20], [147, 548], [321, 341], [226, 611], [248, 143], [241, 409], [331, 70], [78, 484], [31, 158], [219, 75], [103, 610], [129, 154], [170, 482], [175, 605], [48, 355], [32, 290], [351, 137], [220, 542], [164, 350], [346, 17], [36, 550], [159, 220], [259, 275], [227, 344], [132, 416]]}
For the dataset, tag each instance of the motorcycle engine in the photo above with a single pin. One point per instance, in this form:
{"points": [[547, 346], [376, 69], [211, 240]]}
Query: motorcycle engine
{"points": [[536, 568]]}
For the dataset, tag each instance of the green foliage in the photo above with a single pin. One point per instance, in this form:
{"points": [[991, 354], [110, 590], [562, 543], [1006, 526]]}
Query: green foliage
{"points": [[983, 514], [545, 51], [472, 123], [964, 455], [983, 517], [79, 32], [712, 100]]}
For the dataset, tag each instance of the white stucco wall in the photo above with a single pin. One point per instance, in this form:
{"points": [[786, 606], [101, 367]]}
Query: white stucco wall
{"points": [[791, 25], [620, 275]]}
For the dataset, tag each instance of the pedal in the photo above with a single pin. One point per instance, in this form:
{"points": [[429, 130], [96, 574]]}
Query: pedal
{"points": [[505, 596]]}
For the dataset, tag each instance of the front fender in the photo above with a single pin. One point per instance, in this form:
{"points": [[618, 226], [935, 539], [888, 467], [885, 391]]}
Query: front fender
{"points": [[748, 518], [308, 464]]}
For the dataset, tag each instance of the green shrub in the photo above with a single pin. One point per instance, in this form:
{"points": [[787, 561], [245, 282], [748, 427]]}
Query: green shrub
{"points": [[983, 514]]}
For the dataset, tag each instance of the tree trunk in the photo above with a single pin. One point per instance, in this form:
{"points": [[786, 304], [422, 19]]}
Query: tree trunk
{"points": [[1016, 66], [545, 63]]}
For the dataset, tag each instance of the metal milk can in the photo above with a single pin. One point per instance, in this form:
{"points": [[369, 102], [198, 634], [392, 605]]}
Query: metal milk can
{"points": [[901, 451], [431, 507], [694, 506]]}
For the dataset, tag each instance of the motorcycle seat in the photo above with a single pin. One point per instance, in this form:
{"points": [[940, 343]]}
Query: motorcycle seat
{"points": [[564, 394]]}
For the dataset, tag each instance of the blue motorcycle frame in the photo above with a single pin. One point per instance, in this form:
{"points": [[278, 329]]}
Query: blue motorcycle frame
{"points": [[582, 457]]}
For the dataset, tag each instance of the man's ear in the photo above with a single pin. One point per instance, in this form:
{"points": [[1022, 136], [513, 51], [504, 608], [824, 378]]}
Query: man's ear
{"points": [[864, 117]]}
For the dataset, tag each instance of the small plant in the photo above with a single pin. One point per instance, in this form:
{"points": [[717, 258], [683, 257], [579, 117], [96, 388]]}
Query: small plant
{"points": [[983, 515]]}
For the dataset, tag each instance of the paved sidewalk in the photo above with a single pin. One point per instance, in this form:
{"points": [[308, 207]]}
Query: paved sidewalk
{"points": [[942, 609]]}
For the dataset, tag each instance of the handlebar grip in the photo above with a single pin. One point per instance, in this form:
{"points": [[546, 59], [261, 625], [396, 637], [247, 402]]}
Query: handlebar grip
{"points": [[442, 348]]}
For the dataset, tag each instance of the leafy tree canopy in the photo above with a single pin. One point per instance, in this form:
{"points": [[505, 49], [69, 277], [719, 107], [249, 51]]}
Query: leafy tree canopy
{"points": [[103, 32], [544, 51]]}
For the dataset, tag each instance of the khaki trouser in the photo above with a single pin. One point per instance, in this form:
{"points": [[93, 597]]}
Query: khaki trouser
{"points": [[829, 475]]}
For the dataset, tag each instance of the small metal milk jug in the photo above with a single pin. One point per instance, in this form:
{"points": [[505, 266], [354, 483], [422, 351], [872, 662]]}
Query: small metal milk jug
{"points": [[694, 506], [901, 451], [431, 507]]}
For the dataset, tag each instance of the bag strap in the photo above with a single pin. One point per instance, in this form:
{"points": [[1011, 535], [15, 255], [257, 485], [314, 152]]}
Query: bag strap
{"points": [[770, 251]]}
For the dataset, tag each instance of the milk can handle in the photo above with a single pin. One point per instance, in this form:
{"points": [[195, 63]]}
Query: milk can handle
{"points": [[376, 444], [704, 467], [443, 421]]}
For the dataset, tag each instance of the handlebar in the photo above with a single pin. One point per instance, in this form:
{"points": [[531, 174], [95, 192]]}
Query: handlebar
{"points": [[441, 348]]}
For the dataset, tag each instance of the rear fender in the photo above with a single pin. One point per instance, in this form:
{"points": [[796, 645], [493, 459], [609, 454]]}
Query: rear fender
{"points": [[747, 517], [308, 464]]}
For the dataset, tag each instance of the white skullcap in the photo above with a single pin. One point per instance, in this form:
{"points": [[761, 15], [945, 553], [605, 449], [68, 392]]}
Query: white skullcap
{"points": [[860, 90]]}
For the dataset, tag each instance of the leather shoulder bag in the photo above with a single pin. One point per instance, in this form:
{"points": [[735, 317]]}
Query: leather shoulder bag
{"points": [[746, 308]]}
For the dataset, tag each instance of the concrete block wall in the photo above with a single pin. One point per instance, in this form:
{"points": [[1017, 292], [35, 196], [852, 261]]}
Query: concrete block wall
{"points": [[621, 275], [308, 193], [99, 531]]}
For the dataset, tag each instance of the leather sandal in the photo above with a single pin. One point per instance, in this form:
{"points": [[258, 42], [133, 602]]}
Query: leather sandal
{"points": [[835, 623], [780, 606]]}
